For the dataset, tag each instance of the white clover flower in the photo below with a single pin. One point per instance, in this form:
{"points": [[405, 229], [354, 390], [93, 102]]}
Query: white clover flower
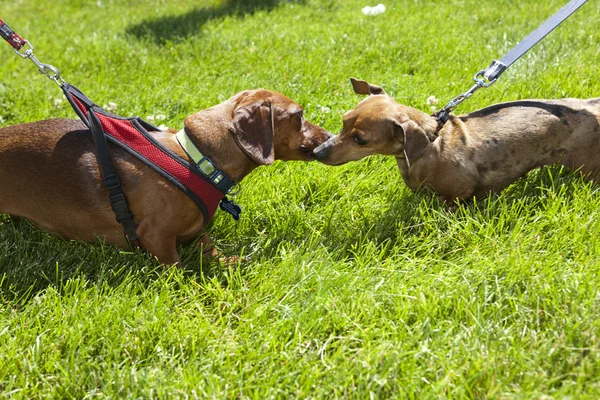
{"points": [[372, 11], [157, 117], [432, 100], [111, 107]]}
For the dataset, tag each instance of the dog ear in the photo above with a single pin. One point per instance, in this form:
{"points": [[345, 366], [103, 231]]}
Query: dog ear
{"points": [[364, 87], [415, 140], [253, 130]]}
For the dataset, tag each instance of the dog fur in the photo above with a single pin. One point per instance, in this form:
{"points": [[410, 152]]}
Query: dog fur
{"points": [[473, 154], [49, 173]]}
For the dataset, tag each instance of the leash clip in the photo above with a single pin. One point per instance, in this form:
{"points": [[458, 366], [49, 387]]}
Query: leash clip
{"points": [[480, 82], [46, 69]]}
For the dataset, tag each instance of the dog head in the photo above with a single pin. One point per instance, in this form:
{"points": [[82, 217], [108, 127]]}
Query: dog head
{"points": [[268, 126], [378, 125]]}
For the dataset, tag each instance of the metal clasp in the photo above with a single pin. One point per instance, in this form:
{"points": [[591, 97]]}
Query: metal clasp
{"points": [[46, 69], [480, 82], [234, 190]]}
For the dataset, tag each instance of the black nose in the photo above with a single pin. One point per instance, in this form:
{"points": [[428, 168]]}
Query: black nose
{"points": [[321, 151]]}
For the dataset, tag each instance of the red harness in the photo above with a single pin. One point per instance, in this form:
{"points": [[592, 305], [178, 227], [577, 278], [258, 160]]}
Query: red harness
{"points": [[132, 135]]}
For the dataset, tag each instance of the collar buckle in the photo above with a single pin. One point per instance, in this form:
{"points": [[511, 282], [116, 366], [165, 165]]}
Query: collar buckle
{"points": [[206, 166]]}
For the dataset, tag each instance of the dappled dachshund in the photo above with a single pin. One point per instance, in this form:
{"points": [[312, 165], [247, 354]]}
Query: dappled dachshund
{"points": [[472, 154], [49, 172]]}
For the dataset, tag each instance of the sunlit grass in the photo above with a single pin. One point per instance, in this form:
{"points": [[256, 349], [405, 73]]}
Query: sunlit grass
{"points": [[351, 285]]}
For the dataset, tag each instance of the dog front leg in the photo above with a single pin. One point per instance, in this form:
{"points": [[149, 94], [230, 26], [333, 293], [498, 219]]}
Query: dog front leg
{"points": [[206, 247], [164, 249], [158, 243]]}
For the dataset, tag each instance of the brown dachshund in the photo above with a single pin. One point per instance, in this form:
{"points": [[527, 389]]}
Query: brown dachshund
{"points": [[473, 154], [49, 173]]}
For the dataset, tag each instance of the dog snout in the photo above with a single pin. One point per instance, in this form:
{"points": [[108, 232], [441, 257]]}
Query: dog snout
{"points": [[315, 136], [322, 136], [322, 151]]}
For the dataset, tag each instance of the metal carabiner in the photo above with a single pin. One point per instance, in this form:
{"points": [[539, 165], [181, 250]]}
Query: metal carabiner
{"points": [[481, 81], [56, 77], [46, 69]]}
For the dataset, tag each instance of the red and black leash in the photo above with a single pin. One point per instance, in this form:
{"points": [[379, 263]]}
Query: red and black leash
{"points": [[16, 41]]}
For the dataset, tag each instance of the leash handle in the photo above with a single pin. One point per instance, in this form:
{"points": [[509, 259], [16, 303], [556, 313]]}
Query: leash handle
{"points": [[16, 41]]}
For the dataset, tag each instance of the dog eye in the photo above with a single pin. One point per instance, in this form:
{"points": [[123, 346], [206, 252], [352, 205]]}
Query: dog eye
{"points": [[358, 140]]}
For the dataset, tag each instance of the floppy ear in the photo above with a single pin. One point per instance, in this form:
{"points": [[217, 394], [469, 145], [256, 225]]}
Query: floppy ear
{"points": [[415, 140], [364, 87], [253, 130]]}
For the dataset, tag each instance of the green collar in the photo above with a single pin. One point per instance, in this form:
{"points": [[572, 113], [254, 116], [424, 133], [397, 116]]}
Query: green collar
{"points": [[204, 165]]}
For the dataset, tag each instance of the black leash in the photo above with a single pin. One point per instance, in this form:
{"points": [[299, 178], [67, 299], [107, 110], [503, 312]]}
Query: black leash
{"points": [[487, 77]]}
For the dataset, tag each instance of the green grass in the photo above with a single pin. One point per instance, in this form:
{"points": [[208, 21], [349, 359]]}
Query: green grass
{"points": [[353, 286]]}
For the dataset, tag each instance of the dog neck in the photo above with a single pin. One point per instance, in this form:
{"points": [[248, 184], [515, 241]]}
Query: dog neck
{"points": [[209, 131], [412, 169], [428, 123]]}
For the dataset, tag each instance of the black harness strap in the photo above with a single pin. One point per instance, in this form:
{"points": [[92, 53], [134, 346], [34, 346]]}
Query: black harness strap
{"points": [[111, 180], [118, 203]]}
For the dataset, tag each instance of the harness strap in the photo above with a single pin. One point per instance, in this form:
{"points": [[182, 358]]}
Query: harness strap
{"points": [[85, 110], [117, 199], [205, 184]]}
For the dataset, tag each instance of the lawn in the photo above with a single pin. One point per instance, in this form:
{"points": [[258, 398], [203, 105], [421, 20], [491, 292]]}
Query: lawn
{"points": [[351, 285]]}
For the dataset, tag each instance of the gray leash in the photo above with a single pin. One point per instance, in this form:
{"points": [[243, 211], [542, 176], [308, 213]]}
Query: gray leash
{"points": [[487, 77]]}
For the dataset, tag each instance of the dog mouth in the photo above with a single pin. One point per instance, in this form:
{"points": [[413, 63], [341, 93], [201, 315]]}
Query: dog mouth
{"points": [[308, 153]]}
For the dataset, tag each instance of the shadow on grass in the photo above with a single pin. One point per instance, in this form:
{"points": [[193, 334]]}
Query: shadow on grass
{"points": [[417, 221], [32, 260], [179, 27]]}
